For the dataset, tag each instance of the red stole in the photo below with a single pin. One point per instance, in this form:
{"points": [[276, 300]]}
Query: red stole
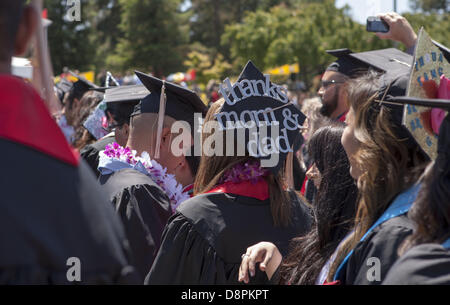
{"points": [[258, 190], [24, 119]]}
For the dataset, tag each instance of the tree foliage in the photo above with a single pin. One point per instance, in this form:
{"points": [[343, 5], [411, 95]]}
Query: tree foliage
{"points": [[284, 35], [216, 37]]}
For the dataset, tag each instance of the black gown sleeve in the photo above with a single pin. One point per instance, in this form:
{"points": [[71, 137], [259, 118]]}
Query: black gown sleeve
{"points": [[381, 245], [186, 258], [90, 154], [426, 264], [144, 211]]}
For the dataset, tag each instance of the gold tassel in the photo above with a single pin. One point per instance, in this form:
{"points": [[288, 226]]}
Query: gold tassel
{"points": [[161, 114]]}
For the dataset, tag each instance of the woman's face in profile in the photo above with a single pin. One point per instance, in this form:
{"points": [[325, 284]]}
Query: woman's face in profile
{"points": [[351, 144]]}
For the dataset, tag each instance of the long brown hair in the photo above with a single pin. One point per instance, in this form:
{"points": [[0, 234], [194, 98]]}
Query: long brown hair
{"points": [[388, 165], [212, 168]]}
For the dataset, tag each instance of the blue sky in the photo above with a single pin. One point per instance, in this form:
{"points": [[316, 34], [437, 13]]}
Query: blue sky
{"points": [[361, 9]]}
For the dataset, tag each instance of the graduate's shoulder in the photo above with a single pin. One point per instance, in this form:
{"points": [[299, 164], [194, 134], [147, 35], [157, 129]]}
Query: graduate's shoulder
{"points": [[422, 264], [130, 179]]}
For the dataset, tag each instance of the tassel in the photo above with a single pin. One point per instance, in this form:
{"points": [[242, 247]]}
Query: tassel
{"points": [[161, 114]]}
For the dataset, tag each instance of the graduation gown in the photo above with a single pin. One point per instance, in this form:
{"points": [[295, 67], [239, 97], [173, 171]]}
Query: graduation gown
{"points": [[382, 243], [52, 210], [90, 152], [426, 264], [205, 238], [144, 209]]}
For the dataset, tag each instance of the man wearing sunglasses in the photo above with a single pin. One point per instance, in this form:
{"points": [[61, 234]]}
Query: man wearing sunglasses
{"points": [[332, 91]]}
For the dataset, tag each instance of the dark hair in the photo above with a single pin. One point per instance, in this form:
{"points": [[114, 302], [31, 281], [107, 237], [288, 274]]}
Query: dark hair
{"points": [[88, 102], [334, 208], [10, 15], [431, 211], [121, 112]]}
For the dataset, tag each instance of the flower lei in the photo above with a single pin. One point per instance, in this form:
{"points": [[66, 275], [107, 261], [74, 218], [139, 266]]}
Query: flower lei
{"points": [[248, 171], [159, 174]]}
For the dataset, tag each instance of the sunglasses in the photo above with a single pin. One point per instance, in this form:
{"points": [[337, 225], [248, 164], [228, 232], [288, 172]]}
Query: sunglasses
{"points": [[112, 127], [326, 83]]}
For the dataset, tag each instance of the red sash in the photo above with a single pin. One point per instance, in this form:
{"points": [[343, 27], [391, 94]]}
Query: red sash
{"points": [[24, 119], [258, 190]]}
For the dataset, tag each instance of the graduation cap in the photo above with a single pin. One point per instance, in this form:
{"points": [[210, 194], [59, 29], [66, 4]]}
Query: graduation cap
{"points": [[345, 64], [62, 87], [120, 101], [125, 94], [352, 64], [430, 65], [81, 86], [169, 99], [258, 106]]}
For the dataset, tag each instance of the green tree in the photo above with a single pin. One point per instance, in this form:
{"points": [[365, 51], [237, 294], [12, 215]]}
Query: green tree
{"points": [[104, 19], [153, 40], [69, 42], [286, 35], [431, 5], [436, 25]]}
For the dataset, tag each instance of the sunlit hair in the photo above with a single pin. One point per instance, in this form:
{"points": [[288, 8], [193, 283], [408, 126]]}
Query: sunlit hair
{"points": [[388, 166], [334, 209], [212, 168]]}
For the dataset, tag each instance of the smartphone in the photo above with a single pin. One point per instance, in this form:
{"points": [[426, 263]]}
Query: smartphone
{"points": [[376, 24]]}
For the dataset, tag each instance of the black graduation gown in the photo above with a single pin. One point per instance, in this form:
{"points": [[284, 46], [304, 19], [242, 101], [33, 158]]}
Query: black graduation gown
{"points": [[381, 243], [204, 240], [51, 211], [90, 152], [426, 264], [144, 209]]}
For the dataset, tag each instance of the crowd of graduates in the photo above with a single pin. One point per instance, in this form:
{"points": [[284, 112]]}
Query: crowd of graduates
{"points": [[146, 184]]}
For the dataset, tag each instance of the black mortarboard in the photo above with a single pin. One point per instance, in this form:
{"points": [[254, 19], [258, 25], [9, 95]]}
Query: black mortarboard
{"points": [[181, 103], [177, 102], [345, 64], [120, 101], [254, 99], [81, 86]]}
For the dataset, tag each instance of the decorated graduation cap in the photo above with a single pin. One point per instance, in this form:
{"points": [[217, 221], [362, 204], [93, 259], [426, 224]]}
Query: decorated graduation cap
{"points": [[81, 86], [261, 109], [177, 102], [62, 87], [427, 100]]}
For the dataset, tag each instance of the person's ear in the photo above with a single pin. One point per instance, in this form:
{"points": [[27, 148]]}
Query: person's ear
{"points": [[27, 27], [165, 137]]}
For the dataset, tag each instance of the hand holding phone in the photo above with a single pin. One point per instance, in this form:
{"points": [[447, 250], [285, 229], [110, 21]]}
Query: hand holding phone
{"points": [[376, 24], [398, 28]]}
